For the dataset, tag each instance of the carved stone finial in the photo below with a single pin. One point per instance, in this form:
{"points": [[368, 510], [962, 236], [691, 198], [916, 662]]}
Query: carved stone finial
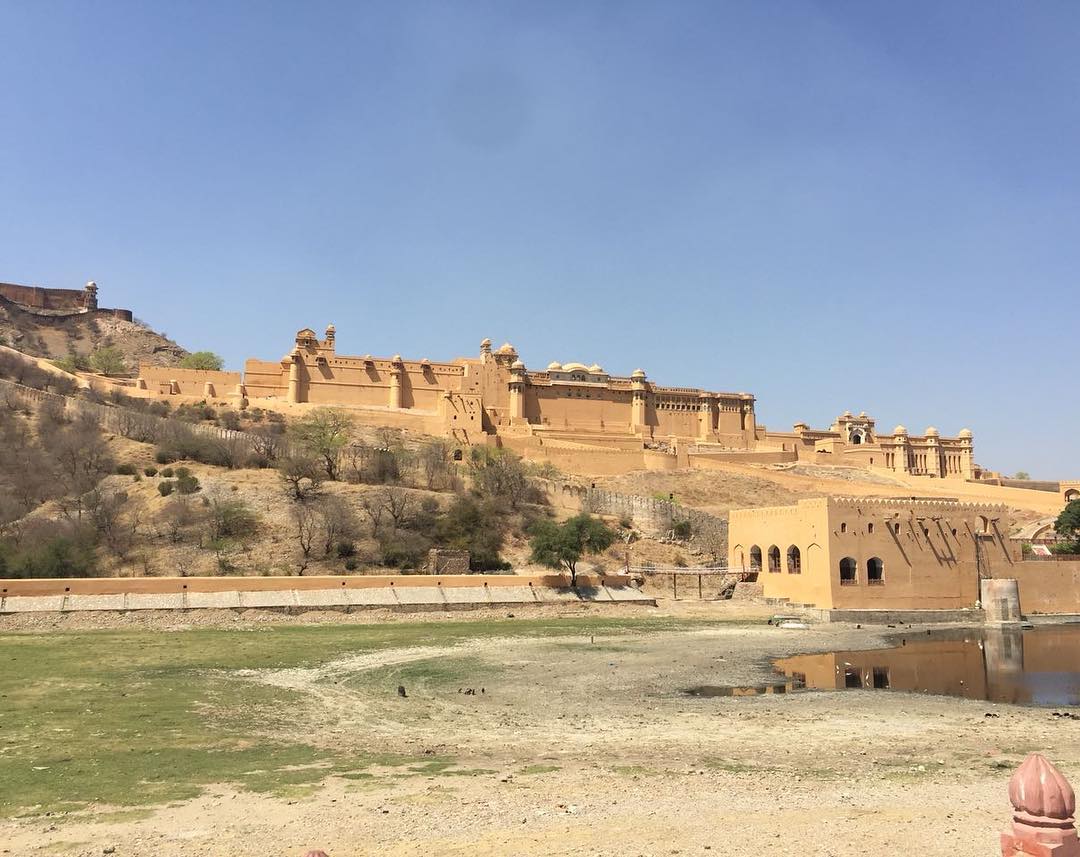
{"points": [[1039, 789], [1044, 807]]}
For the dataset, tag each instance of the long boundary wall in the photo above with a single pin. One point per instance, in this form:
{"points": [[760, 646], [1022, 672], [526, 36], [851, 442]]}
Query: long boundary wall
{"points": [[405, 592], [1046, 587]]}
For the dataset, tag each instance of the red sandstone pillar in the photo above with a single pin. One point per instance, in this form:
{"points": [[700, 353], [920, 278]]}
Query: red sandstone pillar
{"points": [[1044, 807]]}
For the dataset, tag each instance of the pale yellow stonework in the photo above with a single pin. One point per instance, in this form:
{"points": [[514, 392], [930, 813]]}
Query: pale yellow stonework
{"points": [[562, 413]]}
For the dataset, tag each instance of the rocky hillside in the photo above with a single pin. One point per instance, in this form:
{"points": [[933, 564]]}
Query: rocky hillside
{"points": [[56, 336]]}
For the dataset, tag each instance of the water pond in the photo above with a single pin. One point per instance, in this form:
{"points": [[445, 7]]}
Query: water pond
{"points": [[1039, 667]]}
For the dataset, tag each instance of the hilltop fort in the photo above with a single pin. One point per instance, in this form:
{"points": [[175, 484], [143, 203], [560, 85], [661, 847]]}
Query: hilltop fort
{"points": [[563, 413]]}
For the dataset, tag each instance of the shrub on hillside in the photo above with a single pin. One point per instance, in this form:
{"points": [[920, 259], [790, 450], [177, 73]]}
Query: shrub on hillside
{"points": [[187, 484], [165, 487], [108, 360], [126, 469], [55, 550], [475, 526], [150, 471], [404, 549], [232, 518]]}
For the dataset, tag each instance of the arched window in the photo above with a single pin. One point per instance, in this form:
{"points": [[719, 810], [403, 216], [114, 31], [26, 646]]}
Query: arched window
{"points": [[774, 560], [849, 571], [1072, 494], [896, 528], [984, 524], [755, 558], [870, 527], [794, 560], [457, 455], [843, 527], [875, 571]]}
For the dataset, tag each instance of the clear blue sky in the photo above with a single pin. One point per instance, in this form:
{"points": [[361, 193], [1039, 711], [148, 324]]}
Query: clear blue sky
{"points": [[831, 205]]}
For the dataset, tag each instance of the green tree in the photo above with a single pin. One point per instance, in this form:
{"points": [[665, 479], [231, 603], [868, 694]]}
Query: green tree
{"points": [[108, 360], [73, 362], [1022, 474], [324, 433], [476, 527], [563, 545], [203, 360], [1067, 525]]}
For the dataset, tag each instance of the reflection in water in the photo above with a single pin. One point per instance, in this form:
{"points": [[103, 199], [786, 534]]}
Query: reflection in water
{"points": [[1036, 667]]}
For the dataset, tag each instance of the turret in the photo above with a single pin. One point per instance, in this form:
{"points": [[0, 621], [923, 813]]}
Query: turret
{"points": [[517, 391], [639, 393], [397, 369], [90, 298]]}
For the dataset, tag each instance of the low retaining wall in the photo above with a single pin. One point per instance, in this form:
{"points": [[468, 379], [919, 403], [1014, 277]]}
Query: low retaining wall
{"points": [[1045, 587], [296, 594], [896, 617]]}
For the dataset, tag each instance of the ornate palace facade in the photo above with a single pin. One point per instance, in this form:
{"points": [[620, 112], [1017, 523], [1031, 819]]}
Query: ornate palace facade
{"points": [[564, 410]]}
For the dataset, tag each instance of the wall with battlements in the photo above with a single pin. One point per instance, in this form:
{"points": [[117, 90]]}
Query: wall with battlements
{"points": [[863, 553], [58, 301], [573, 415]]}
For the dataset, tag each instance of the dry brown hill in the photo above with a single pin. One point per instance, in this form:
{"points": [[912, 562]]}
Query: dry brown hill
{"points": [[56, 335]]}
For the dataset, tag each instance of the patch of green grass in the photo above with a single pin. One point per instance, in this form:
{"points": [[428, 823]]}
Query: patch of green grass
{"points": [[733, 766], [137, 718], [445, 768], [530, 770], [639, 771]]}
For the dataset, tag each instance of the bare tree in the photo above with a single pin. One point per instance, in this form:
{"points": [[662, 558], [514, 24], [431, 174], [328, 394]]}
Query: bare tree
{"points": [[81, 458], [104, 509], [354, 461], [373, 506], [264, 443], [337, 522], [305, 521], [177, 517], [435, 459], [501, 475], [398, 504], [302, 475], [323, 433]]}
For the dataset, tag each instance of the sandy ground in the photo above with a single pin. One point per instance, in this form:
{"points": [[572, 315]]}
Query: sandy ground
{"points": [[581, 747]]}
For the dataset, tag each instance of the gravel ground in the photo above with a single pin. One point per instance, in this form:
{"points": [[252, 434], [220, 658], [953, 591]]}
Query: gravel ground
{"points": [[591, 747]]}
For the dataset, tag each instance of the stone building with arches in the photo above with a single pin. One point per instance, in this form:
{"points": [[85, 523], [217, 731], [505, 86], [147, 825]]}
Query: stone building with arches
{"points": [[495, 394], [1070, 490], [579, 416], [868, 553], [853, 439]]}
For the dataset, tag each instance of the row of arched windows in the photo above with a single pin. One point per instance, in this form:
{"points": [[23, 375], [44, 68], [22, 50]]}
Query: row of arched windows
{"points": [[849, 571], [793, 559], [849, 566]]}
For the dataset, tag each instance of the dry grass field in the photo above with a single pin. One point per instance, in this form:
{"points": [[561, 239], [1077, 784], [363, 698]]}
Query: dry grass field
{"points": [[172, 736]]}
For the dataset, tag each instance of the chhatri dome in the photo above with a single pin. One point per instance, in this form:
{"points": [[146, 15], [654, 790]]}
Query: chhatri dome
{"points": [[899, 430], [554, 366], [965, 433], [931, 431]]}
